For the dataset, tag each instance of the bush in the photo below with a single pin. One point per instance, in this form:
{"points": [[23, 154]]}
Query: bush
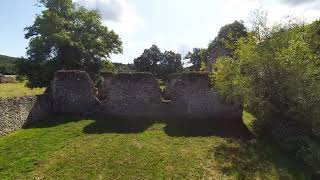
{"points": [[278, 81], [20, 78]]}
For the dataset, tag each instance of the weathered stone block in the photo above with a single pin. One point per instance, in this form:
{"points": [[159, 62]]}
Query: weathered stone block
{"points": [[16, 113], [130, 94], [193, 96], [73, 93]]}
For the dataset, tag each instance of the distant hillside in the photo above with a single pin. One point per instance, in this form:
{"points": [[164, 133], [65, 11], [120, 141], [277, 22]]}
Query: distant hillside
{"points": [[9, 59], [7, 64]]}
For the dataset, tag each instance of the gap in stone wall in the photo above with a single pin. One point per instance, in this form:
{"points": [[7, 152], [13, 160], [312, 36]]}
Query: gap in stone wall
{"points": [[165, 96], [103, 87], [109, 80]]}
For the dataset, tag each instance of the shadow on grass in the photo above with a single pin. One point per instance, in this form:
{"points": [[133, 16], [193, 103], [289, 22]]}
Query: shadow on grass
{"points": [[54, 121], [208, 127], [100, 125], [118, 125], [173, 128], [254, 160]]}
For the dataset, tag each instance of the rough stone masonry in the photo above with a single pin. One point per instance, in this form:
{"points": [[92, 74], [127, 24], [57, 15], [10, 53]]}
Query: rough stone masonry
{"points": [[125, 95], [16, 113], [139, 95]]}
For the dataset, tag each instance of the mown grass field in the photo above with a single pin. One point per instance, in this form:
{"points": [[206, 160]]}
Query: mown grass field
{"points": [[17, 90], [122, 149]]}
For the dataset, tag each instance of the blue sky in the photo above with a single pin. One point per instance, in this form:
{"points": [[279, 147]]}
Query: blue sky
{"points": [[176, 25]]}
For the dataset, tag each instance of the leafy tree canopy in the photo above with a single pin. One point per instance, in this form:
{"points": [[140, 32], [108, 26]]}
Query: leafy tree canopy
{"points": [[160, 64], [124, 67], [224, 43], [66, 36], [149, 60], [170, 63], [276, 75], [197, 58], [277, 78]]}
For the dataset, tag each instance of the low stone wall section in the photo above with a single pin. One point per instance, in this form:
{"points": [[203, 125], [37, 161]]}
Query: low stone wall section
{"points": [[73, 93], [193, 97], [126, 94], [139, 95], [16, 113], [6, 79], [130, 94]]}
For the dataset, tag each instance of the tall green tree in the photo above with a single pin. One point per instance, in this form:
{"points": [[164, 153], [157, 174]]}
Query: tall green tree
{"points": [[170, 63], [124, 67], [277, 79], [197, 57], [160, 64], [225, 43], [66, 36], [149, 60]]}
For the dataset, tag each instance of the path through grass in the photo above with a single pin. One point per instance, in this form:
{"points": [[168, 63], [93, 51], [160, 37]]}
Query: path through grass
{"points": [[81, 150]]}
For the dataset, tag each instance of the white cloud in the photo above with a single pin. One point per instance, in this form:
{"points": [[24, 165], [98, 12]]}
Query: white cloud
{"points": [[183, 49], [131, 50], [303, 10], [204, 22], [281, 10], [300, 2], [119, 15]]}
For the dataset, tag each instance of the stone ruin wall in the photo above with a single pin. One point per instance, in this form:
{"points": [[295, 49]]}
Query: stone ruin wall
{"points": [[192, 96], [6, 79], [72, 93], [16, 113], [124, 94], [130, 94], [139, 95]]}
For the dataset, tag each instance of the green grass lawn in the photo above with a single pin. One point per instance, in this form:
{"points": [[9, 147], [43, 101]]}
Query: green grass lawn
{"points": [[18, 90], [118, 149]]}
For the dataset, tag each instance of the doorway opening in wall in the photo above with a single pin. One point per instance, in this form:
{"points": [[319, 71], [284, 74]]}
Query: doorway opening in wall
{"points": [[165, 94]]}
